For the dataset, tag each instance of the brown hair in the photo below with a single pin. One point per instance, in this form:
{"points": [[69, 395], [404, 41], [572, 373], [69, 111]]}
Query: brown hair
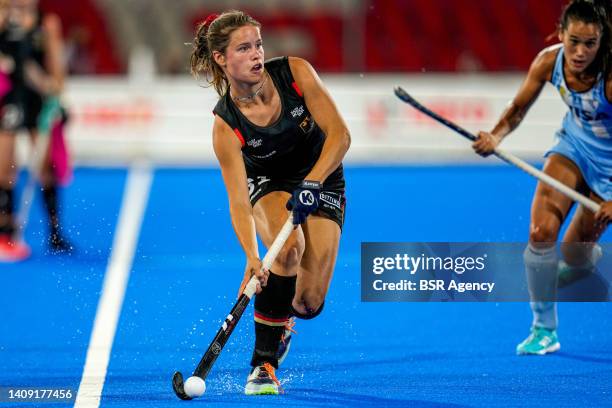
{"points": [[593, 12], [213, 34]]}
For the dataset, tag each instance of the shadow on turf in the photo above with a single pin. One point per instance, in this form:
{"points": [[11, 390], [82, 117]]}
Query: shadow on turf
{"points": [[584, 358], [326, 398], [298, 397]]}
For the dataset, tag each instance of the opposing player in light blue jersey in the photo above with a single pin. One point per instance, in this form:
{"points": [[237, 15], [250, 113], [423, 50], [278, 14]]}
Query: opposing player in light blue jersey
{"points": [[580, 68]]}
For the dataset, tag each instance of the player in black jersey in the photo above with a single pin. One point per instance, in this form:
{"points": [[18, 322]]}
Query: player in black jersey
{"points": [[280, 141], [31, 55]]}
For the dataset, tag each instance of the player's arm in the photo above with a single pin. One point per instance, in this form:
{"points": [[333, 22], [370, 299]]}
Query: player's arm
{"points": [[539, 72], [51, 80], [227, 148], [326, 115], [54, 48]]}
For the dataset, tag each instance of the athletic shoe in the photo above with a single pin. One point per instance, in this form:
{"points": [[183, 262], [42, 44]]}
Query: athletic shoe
{"points": [[11, 251], [539, 342], [58, 245], [285, 342], [568, 274], [262, 381]]}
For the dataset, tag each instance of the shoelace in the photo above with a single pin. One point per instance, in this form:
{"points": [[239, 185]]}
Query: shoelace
{"points": [[288, 327], [270, 370]]}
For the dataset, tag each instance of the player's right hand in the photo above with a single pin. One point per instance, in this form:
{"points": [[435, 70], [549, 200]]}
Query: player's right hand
{"points": [[485, 144], [604, 215], [254, 267]]}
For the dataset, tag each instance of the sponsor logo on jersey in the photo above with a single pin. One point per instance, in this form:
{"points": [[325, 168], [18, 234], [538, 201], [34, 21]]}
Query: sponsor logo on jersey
{"points": [[254, 142], [564, 94], [587, 116], [265, 156], [306, 124], [297, 112]]}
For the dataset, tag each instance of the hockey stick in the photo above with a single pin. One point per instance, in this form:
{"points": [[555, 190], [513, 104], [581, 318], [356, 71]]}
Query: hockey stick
{"points": [[232, 319], [507, 157], [48, 114]]}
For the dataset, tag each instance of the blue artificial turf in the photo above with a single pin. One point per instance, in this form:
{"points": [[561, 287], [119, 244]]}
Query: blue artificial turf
{"points": [[188, 266]]}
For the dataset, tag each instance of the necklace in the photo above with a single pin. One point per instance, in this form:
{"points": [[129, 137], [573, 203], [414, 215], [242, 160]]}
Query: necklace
{"points": [[253, 95]]}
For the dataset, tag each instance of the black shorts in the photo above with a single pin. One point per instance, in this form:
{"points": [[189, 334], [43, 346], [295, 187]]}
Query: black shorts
{"points": [[332, 201], [20, 113]]}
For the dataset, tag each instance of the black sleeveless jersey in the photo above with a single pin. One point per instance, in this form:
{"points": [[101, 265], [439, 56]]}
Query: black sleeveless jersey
{"points": [[23, 46], [288, 149], [14, 44]]}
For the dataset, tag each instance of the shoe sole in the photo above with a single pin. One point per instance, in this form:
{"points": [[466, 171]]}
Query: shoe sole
{"points": [[549, 349], [266, 390], [13, 259]]}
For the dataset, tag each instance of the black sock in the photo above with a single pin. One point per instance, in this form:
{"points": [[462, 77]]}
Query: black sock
{"points": [[50, 199], [6, 211], [272, 310]]}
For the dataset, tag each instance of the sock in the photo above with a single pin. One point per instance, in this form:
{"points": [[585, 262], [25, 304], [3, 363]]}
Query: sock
{"points": [[541, 267], [51, 205], [6, 211], [272, 310]]}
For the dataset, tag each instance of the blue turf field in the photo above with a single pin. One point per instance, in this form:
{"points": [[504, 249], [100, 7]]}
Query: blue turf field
{"points": [[188, 266]]}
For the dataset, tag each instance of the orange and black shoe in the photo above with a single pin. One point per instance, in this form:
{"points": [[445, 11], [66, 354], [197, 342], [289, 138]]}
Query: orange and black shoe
{"points": [[285, 342], [262, 381], [11, 251]]}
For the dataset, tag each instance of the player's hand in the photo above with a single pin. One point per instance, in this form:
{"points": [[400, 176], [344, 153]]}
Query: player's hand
{"points": [[254, 267], [7, 64], [604, 215], [485, 144], [304, 201]]}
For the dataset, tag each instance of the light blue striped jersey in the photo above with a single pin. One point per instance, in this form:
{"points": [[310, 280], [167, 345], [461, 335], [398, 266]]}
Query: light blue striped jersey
{"points": [[586, 130], [589, 119]]}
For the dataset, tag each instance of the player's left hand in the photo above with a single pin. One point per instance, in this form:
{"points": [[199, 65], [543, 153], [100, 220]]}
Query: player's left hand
{"points": [[604, 215], [304, 201]]}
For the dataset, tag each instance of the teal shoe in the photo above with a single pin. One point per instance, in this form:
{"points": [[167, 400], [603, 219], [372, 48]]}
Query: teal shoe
{"points": [[568, 275], [539, 342]]}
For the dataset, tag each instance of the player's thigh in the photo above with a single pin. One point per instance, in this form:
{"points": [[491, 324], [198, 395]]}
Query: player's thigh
{"points": [[270, 215], [322, 237], [550, 207]]}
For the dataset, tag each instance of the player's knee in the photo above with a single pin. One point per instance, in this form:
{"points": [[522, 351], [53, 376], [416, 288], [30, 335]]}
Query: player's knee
{"points": [[290, 255], [308, 304], [7, 176], [543, 233]]}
